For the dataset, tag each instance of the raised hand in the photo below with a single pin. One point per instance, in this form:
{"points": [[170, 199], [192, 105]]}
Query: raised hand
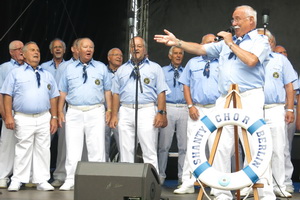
{"points": [[169, 39]]}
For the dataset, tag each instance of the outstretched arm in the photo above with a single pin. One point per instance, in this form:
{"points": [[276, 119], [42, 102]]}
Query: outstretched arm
{"points": [[170, 40]]}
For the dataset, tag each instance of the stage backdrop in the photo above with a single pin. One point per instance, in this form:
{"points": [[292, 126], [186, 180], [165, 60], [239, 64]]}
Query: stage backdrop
{"points": [[105, 22], [107, 25], [191, 19]]}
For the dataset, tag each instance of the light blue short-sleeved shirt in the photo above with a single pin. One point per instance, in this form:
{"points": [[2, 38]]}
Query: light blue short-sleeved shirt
{"points": [[50, 66], [279, 72], [152, 80], [62, 68], [21, 84], [92, 91], [203, 90], [176, 93], [5, 68], [234, 71]]}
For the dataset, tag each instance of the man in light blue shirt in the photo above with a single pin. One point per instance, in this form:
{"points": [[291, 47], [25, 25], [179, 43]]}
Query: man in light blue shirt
{"points": [[151, 104], [58, 49], [59, 174], [31, 92], [290, 130], [200, 80], [242, 59], [279, 109], [7, 139], [177, 115], [115, 60], [85, 85]]}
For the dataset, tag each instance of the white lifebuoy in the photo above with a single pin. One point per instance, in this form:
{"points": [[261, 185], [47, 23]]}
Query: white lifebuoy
{"points": [[257, 131]]}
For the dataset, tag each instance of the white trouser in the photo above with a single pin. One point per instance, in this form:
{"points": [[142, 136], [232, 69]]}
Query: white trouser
{"points": [[188, 179], [289, 168], [80, 125], [7, 151], [252, 103], [108, 134], [60, 170], [147, 134], [177, 118], [32, 149], [275, 119]]}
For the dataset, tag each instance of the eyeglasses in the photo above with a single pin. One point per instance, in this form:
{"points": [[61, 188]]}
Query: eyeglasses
{"points": [[237, 20], [116, 54]]}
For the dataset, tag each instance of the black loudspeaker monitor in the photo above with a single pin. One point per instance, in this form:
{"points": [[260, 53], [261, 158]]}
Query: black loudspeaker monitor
{"points": [[116, 181]]}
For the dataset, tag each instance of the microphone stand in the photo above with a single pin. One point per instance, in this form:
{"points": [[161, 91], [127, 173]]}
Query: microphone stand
{"points": [[138, 81]]}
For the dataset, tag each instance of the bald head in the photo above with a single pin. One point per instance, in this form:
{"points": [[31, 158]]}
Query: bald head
{"points": [[208, 38], [281, 49]]}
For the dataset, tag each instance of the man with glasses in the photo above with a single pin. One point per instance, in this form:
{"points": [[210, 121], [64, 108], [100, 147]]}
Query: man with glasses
{"points": [[115, 60], [151, 104], [290, 131], [7, 140], [278, 109], [242, 59]]}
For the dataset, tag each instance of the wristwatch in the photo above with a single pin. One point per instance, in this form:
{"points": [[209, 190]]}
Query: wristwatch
{"points": [[190, 105], [162, 112]]}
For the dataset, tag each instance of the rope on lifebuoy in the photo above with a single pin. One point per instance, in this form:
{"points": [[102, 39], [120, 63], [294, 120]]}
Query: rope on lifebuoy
{"points": [[261, 142]]}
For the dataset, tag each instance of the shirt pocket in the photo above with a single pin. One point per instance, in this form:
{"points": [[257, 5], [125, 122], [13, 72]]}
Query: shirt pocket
{"points": [[149, 81], [170, 81], [75, 81], [124, 78], [197, 73], [25, 83], [97, 81]]}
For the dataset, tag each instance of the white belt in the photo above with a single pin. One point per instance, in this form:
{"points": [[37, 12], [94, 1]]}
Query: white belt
{"points": [[85, 108], [176, 104], [31, 115], [205, 106], [267, 106], [139, 105]]}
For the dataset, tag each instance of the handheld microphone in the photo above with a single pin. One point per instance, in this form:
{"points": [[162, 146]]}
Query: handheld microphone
{"points": [[265, 17], [229, 30]]}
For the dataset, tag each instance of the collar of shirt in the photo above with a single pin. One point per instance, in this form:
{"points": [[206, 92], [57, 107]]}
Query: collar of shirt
{"points": [[172, 68], [206, 59], [110, 70], [249, 35], [52, 64], [91, 63], [145, 60], [27, 66], [14, 62]]}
